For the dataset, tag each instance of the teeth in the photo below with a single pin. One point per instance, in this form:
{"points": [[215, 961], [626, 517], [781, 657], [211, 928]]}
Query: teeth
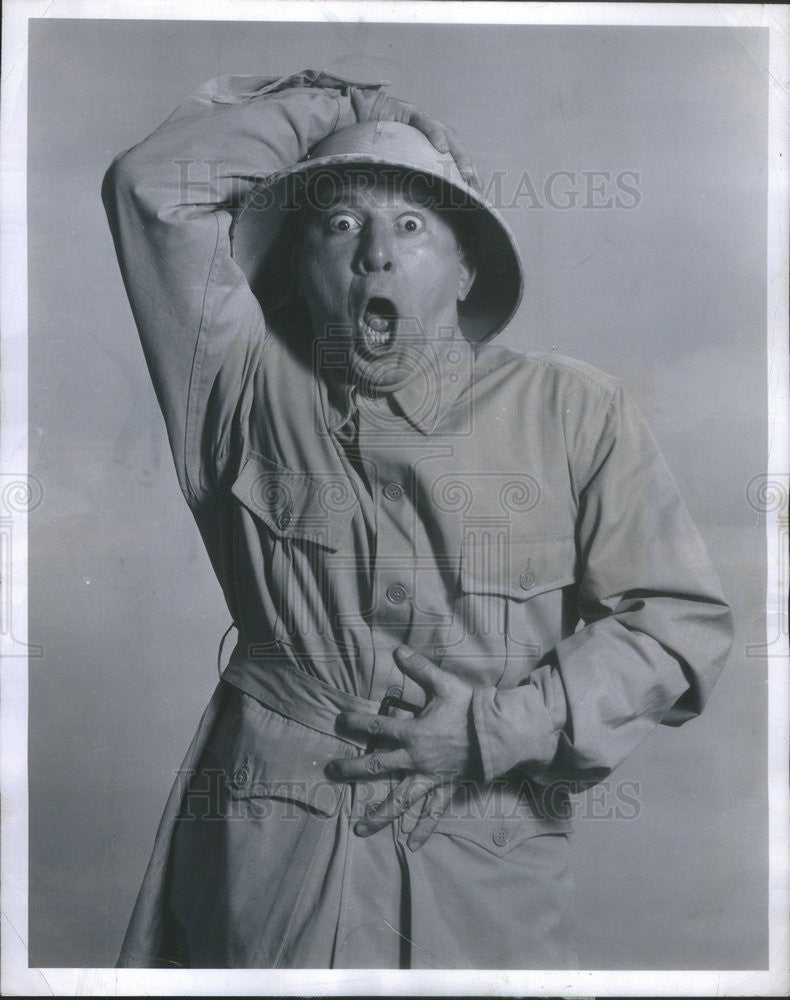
{"points": [[376, 338], [378, 323]]}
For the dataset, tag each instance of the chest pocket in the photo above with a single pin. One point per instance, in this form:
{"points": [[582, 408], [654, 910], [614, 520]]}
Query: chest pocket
{"points": [[510, 607], [297, 505], [280, 554]]}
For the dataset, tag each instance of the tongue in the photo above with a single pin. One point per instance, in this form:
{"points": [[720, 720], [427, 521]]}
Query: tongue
{"points": [[376, 322]]}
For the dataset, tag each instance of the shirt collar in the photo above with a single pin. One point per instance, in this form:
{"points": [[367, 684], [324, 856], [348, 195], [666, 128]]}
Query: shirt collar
{"points": [[437, 384], [424, 399], [337, 399]]}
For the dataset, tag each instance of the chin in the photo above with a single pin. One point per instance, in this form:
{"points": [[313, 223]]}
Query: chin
{"points": [[383, 370]]}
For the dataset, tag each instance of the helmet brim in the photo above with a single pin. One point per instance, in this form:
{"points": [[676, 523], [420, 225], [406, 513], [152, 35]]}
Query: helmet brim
{"points": [[261, 234]]}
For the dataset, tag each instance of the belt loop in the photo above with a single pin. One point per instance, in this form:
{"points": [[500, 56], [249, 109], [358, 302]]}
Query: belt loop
{"points": [[222, 646]]}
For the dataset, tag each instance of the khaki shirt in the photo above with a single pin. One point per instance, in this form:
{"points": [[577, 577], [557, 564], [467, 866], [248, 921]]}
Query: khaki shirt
{"points": [[509, 516]]}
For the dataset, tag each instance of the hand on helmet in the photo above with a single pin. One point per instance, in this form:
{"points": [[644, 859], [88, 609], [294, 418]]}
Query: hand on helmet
{"points": [[442, 137]]}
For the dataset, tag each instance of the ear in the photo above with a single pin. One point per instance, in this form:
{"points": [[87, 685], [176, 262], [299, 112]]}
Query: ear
{"points": [[467, 272]]}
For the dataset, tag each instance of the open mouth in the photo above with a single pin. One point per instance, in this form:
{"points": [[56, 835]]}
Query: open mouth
{"points": [[378, 325]]}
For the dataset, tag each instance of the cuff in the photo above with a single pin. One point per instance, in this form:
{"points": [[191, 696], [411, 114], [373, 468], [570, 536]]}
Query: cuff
{"points": [[521, 726]]}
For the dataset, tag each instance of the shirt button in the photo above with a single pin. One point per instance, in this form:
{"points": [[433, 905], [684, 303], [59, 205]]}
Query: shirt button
{"points": [[241, 777], [394, 692], [527, 580], [500, 836], [284, 519], [393, 491], [396, 594]]}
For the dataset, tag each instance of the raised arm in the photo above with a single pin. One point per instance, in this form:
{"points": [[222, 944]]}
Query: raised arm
{"points": [[169, 201]]}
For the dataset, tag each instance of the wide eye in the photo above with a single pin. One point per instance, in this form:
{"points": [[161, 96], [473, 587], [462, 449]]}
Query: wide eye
{"points": [[343, 222], [411, 223]]}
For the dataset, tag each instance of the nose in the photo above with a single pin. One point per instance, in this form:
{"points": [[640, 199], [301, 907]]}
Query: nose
{"points": [[375, 250]]}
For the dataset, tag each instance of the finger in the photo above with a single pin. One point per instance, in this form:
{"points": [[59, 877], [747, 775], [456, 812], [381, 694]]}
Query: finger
{"points": [[369, 765], [464, 163], [430, 677], [401, 798], [394, 110], [435, 130], [450, 143], [474, 179], [375, 725], [441, 136], [434, 808]]}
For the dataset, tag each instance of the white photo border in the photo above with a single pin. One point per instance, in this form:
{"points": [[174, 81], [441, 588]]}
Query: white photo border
{"points": [[18, 494]]}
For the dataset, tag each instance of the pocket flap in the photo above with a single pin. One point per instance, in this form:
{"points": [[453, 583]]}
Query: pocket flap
{"points": [[499, 836], [497, 818], [492, 563], [275, 757], [316, 508]]}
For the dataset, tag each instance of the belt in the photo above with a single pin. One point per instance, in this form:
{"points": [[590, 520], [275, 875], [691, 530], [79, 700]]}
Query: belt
{"points": [[278, 685], [298, 696]]}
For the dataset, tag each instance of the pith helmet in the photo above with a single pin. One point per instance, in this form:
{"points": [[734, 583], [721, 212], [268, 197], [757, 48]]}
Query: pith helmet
{"points": [[260, 233]]}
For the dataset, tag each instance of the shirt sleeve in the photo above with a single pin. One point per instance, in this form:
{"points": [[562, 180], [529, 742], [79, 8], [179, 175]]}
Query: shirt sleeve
{"points": [[170, 203], [656, 628]]}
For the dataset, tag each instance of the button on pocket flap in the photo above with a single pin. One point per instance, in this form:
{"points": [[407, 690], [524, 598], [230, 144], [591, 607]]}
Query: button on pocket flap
{"points": [[516, 567], [280, 759], [316, 508], [498, 821], [498, 836]]}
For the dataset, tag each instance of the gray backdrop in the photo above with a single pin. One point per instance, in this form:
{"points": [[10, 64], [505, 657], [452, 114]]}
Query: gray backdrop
{"points": [[669, 294]]}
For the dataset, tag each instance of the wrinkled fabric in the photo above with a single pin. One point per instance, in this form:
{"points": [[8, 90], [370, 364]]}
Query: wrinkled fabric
{"points": [[257, 867], [507, 515]]}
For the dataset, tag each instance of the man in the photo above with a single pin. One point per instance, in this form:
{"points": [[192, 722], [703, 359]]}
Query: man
{"points": [[463, 581]]}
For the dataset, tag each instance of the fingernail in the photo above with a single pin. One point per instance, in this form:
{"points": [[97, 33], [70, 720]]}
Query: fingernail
{"points": [[404, 652], [413, 846]]}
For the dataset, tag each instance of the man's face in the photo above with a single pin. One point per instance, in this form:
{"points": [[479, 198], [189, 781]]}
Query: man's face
{"points": [[378, 266]]}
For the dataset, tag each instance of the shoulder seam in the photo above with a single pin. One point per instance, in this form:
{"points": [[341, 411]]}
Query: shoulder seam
{"points": [[608, 384]]}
